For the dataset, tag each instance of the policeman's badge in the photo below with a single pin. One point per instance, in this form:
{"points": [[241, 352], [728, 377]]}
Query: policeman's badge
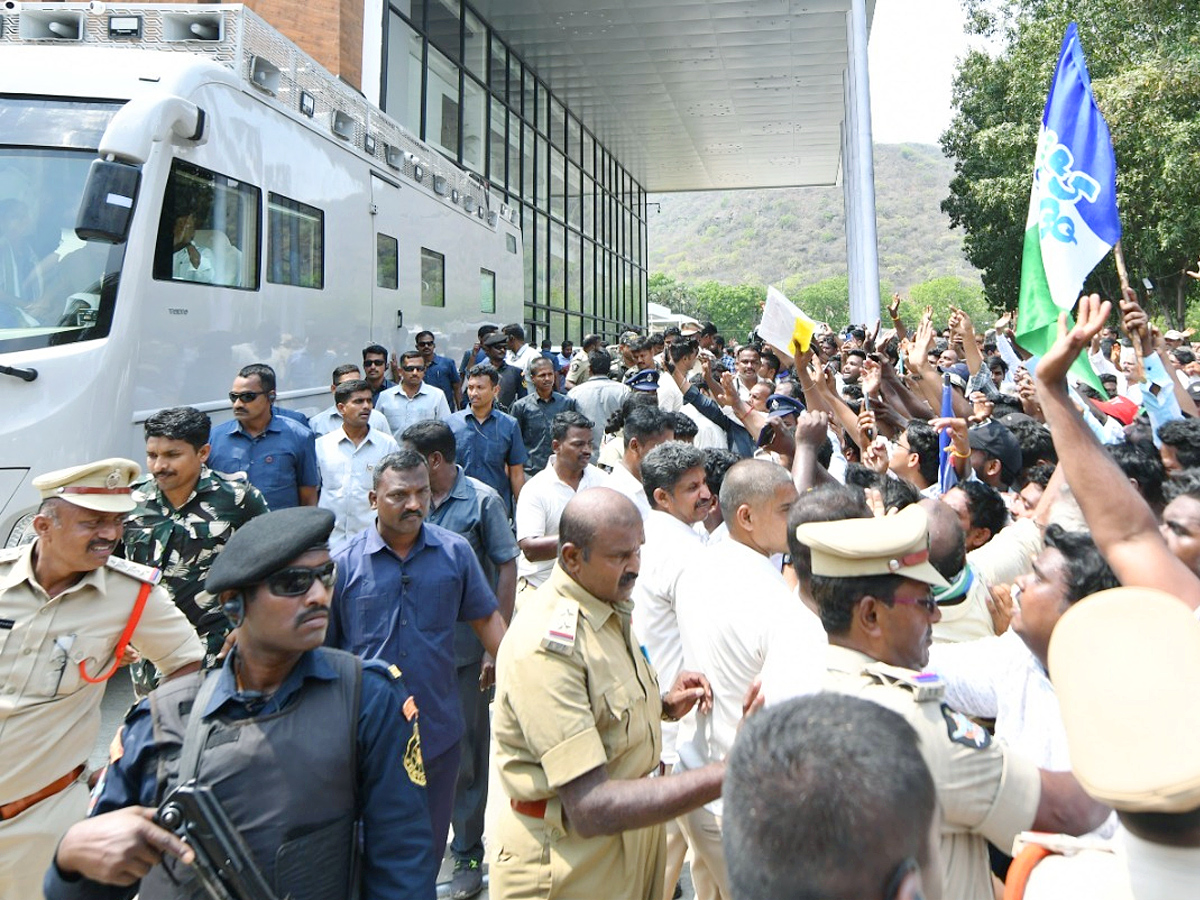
{"points": [[962, 730], [414, 765]]}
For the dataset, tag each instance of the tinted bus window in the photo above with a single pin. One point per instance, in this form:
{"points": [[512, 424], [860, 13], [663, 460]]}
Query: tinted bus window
{"points": [[487, 291], [208, 232], [387, 261], [433, 278], [295, 243]]}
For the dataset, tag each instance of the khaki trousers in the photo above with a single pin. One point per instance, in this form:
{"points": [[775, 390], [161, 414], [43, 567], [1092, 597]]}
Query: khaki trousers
{"points": [[28, 841], [703, 833]]}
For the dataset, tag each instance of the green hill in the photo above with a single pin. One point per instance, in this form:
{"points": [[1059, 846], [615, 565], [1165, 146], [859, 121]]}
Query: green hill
{"points": [[767, 236]]}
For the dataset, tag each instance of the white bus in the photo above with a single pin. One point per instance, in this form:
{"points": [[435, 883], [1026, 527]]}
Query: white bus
{"points": [[241, 205]]}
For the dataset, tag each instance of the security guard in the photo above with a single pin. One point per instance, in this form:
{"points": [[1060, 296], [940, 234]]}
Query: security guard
{"points": [[871, 580], [302, 746], [68, 611], [576, 726], [1126, 668]]}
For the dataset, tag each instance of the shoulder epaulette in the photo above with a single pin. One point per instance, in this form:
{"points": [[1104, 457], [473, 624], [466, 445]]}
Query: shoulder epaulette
{"points": [[134, 570], [926, 686], [10, 554], [560, 633]]}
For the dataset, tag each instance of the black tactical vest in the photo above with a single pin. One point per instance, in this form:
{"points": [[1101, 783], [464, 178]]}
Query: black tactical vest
{"points": [[286, 780]]}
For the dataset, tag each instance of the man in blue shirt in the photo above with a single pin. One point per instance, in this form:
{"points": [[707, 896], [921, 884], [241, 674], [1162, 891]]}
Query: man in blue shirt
{"points": [[490, 447], [440, 371], [273, 579], [277, 454], [375, 370], [535, 414], [469, 507], [401, 587]]}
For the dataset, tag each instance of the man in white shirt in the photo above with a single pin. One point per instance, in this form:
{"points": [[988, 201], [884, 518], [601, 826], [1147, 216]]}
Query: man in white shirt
{"points": [[674, 479], [518, 352], [730, 609], [329, 419], [347, 458], [598, 397], [412, 400], [645, 428], [546, 494]]}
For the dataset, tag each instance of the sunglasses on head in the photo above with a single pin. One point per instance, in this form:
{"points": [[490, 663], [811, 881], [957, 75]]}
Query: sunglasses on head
{"points": [[244, 396], [295, 581]]}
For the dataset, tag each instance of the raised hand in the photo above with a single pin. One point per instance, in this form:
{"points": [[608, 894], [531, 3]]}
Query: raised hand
{"points": [[894, 307], [1091, 314]]}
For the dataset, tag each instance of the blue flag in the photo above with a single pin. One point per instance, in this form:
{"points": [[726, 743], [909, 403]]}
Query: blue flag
{"points": [[947, 477]]}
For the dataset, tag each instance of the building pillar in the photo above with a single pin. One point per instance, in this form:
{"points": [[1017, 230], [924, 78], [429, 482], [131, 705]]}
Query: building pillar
{"points": [[859, 174]]}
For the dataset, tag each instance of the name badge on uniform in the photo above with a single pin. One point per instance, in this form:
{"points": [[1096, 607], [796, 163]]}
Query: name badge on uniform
{"points": [[560, 636]]}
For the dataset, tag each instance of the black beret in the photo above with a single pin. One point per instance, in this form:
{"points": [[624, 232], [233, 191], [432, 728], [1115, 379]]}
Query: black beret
{"points": [[499, 339], [266, 544]]}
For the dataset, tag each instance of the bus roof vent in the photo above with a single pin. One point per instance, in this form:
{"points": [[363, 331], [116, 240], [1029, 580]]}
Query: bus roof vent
{"points": [[51, 25]]}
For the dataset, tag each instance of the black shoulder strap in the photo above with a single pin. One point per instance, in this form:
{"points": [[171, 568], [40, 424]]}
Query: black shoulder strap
{"points": [[196, 735], [349, 669]]}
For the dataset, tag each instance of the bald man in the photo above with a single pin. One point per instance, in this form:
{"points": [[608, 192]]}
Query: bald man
{"points": [[576, 724]]}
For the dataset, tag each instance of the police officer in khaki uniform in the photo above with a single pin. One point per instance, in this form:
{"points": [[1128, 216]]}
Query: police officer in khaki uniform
{"points": [[68, 610], [1126, 668], [871, 580], [576, 726]]}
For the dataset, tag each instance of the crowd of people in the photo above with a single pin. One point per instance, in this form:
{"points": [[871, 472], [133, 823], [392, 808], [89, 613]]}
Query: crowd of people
{"points": [[905, 614]]}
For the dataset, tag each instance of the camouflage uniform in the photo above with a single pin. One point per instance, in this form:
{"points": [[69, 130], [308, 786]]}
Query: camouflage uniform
{"points": [[183, 543]]}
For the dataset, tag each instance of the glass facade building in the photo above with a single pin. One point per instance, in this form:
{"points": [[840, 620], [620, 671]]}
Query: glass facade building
{"points": [[451, 80]]}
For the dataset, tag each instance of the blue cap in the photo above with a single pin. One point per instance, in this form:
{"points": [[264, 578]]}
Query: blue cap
{"points": [[645, 380], [780, 405]]}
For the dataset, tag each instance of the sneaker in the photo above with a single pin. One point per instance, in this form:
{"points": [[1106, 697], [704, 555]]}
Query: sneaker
{"points": [[467, 880]]}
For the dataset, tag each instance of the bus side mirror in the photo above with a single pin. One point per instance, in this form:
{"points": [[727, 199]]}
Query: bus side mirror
{"points": [[108, 200]]}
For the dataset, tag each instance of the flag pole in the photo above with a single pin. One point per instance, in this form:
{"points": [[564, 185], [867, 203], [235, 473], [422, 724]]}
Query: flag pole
{"points": [[1123, 274]]}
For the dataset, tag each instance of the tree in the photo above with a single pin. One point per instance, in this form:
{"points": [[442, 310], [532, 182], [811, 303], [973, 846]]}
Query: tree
{"points": [[735, 309], [943, 294], [1142, 55]]}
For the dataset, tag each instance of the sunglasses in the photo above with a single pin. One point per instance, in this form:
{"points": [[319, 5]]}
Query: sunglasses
{"points": [[295, 581], [414, 368], [245, 396], [424, 343], [373, 363], [927, 603]]}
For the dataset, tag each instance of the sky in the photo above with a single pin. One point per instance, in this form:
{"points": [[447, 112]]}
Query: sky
{"points": [[912, 52]]}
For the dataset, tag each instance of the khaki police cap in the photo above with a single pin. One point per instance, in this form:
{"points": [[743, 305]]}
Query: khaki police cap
{"points": [[888, 545], [1126, 668], [102, 486]]}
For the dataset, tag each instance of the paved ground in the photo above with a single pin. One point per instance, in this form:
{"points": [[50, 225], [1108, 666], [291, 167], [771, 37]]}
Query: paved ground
{"points": [[119, 697]]}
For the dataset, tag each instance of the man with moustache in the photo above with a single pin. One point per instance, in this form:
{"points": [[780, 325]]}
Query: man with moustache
{"points": [[276, 453], [185, 515], [576, 725], [872, 579], [352, 764], [401, 586], [68, 611]]}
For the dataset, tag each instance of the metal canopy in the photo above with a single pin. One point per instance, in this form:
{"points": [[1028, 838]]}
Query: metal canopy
{"points": [[696, 94]]}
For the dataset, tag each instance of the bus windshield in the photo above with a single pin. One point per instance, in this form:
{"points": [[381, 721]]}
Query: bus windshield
{"points": [[54, 288]]}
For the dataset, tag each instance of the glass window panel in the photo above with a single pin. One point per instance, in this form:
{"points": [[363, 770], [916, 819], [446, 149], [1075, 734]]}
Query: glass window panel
{"points": [[529, 95], [558, 328], [588, 301], [208, 234], [527, 167], [498, 71], [558, 184], [474, 124], [433, 278], [558, 267], [538, 118], [514, 155], [497, 144], [295, 243], [589, 163], [574, 202], [403, 91], [573, 132], [475, 45], [542, 293], [487, 291], [441, 26], [574, 270], [543, 173], [528, 242], [441, 104], [589, 207], [411, 9], [387, 261], [558, 124]]}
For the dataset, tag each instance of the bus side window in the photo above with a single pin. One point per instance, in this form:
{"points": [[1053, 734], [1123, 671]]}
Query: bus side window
{"points": [[487, 291], [433, 278], [295, 243], [387, 261], [208, 232]]}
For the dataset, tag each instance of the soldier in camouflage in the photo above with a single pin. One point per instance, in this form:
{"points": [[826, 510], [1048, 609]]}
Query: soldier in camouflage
{"points": [[186, 513]]}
